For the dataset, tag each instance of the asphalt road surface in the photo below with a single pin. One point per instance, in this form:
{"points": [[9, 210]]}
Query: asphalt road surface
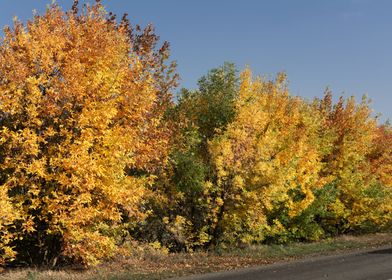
{"points": [[375, 265]]}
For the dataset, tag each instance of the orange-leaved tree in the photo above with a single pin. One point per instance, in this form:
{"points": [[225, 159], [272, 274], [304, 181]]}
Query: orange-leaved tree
{"points": [[356, 160], [381, 156], [83, 131]]}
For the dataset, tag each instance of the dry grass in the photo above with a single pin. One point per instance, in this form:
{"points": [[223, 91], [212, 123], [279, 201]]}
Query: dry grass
{"points": [[147, 263]]}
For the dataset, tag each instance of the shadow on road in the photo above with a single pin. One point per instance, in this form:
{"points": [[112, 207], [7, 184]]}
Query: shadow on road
{"points": [[383, 252]]}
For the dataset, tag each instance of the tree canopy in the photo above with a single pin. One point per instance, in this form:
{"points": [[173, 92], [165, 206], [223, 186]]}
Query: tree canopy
{"points": [[94, 151]]}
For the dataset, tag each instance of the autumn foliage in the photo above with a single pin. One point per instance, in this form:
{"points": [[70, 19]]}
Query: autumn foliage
{"points": [[82, 132], [94, 152]]}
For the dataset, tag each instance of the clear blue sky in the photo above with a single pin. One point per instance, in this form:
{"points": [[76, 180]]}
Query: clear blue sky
{"points": [[344, 44]]}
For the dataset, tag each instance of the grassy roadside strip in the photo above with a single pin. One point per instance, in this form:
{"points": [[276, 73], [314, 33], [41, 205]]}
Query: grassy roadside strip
{"points": [[154, 264]]}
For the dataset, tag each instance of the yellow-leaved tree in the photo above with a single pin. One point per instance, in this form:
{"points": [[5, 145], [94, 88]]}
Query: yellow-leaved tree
{"points": [[82, 131], [267, 161]]}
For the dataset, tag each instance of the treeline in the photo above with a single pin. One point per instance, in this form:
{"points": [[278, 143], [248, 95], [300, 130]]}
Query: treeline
{"points": [[95, 153]]}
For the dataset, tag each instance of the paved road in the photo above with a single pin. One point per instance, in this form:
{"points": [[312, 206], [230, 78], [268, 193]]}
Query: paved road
{"points": [[372, 265]]}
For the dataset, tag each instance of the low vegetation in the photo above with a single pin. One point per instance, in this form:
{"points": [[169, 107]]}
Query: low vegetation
{"points": [[155, 264]]}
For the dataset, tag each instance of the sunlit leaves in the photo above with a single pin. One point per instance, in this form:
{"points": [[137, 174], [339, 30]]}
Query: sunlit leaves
{"points": [[82, 103], [265, 157], [93, 149]]}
